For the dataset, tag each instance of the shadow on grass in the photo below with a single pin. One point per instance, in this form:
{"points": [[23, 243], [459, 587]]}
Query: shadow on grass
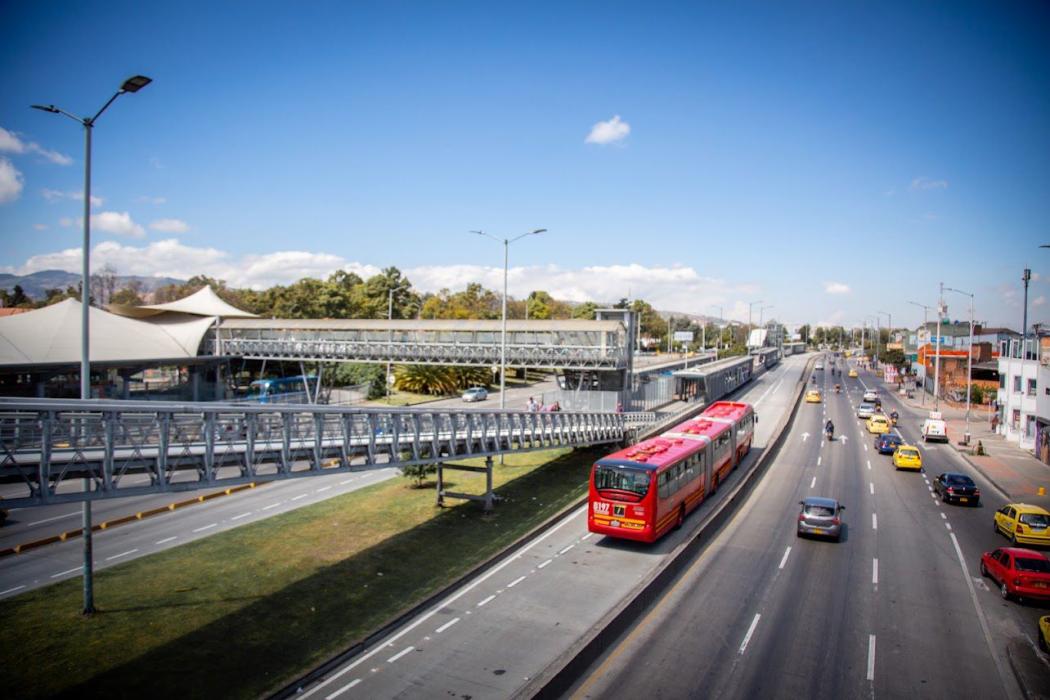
{"points": [[278, 637]]}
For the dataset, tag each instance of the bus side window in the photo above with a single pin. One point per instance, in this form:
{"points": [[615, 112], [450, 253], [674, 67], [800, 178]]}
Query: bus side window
{"points": [[663, 484]]}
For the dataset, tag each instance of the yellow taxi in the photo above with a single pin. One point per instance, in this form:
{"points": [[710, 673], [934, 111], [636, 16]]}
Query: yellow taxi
{"points": [[907, 457], [852, 372], [1044, 633], [1023, 524], [878, 424], [812, 396]]}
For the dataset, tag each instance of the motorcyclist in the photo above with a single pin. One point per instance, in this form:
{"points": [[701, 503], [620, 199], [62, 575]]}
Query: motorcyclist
{"points": [[829, 429], [893, 417]]}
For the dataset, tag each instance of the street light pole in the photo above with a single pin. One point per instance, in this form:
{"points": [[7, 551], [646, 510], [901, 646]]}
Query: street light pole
{"points": [[926, 328], [503, 332], [889, 330], [132, 84], [937, 356], [721, 326], [1025, 276], [969, 362], [390, 339], [747, 341]]}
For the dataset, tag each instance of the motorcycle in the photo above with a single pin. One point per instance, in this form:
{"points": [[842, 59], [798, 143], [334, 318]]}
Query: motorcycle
{"points": [[893, 418], [838, 388], [830, 432]]}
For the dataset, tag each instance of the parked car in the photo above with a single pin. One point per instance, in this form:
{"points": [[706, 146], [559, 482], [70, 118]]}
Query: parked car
{"points": [[887, 444], [1020, 573], [820, 517], [1023, 523], [878, 424], [865, 410], [956, 487], [475, 393], [812, 396], [871, 395], [907, 457]]}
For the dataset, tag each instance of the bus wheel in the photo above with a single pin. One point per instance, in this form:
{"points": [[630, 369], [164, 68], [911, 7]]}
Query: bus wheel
{"points": [[681, 517]]}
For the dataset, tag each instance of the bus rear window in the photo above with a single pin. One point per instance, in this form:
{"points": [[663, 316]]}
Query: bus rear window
{"points": [[621, 479]]}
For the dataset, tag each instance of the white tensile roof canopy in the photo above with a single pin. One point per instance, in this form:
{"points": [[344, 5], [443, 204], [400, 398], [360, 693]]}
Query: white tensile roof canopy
{"points": [[52, 336], [203, 302]]}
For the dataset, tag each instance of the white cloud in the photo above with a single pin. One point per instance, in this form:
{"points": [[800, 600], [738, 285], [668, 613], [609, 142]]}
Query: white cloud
{"points": [[836, 288], [117, 222], [170, 226], [10, 143], [608, 132], [152, 200], [1039, 300], [926, 183], [674, 288], [10, 181], [40, 227], [58, 195], [835, 319]]}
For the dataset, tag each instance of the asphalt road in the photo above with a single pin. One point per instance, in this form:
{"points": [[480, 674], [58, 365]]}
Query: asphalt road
{"points": [[897, 609], [488, 638]]}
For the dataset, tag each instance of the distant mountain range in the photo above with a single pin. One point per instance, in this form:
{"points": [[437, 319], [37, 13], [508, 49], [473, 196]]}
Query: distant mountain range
{"points": [[34, 284]]}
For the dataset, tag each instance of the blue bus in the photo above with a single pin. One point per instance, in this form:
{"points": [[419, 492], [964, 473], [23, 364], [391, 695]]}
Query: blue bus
{"points": [[283, 389]]}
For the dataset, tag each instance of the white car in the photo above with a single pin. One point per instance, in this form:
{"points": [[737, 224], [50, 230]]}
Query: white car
{"points": [[819, 365], [871, 395], [475, 393]]}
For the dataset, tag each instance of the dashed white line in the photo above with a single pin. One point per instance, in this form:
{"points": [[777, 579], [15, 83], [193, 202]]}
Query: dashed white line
{"points": [[943, 516], [750, 631], [242, 515], [566, 549], [869, 465], [342, 690], [819, 460], [871, 487], [206, 527], [865, 448], [445, 626], [783, 560], [543, 564], [12, 590], [875, 571], [515, 582], [344, 482], [871, 657], [296, 498], [874, 522], [399, 654], [166, 540], [122, 554], [949, 526], [323, 489], [813, 483], [487, 600], [272, 505], [586, 537], [66, 573]]}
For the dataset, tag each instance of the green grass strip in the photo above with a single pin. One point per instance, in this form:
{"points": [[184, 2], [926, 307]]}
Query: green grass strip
{"points": [[246, 611]]}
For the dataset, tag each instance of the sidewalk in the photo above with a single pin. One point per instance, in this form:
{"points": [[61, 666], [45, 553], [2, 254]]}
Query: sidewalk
{"points": [[1014, 471]]}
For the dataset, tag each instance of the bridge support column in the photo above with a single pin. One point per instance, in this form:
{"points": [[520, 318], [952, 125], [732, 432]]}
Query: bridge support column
{"points": [[489, 495], [441, 485], [488, 499]]}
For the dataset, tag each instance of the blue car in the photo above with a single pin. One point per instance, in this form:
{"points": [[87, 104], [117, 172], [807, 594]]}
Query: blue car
{"points": [[888, 443]]}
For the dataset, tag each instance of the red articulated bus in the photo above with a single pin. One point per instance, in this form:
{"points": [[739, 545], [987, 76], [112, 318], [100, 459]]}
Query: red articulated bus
{"points": [[642, 491]]}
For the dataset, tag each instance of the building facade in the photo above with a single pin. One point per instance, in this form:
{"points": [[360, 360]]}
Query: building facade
{"points": [[1022, 383]]}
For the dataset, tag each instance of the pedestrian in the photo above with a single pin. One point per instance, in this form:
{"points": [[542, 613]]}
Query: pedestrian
{"points": [[533, 406], [995, 422], [619, 406]]}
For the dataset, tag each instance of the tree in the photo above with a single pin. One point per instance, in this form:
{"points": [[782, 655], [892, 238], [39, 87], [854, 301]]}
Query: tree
{"points": [[103, 285], [16, 297], [442, 380], [129, 295], [585, 311], [804, 333]]}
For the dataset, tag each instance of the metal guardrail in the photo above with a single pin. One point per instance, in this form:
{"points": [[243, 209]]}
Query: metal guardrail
{"points": [[127, 448]]}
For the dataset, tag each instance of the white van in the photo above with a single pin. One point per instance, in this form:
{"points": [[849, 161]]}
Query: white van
{"points": [[934, 428]]}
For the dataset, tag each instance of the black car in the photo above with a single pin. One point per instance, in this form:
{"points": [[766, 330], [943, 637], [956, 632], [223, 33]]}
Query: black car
{"points": [[957, 487], [887, 443]]}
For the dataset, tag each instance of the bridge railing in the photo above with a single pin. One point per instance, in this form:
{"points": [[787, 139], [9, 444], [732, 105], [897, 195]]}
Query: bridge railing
{"points": [[126, 448]]}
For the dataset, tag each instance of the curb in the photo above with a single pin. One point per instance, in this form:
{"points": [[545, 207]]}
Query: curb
{"points": [[113, 522], [558, 678]]}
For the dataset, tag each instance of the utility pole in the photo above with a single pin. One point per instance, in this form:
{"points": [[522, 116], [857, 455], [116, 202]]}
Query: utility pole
{"points": [[937, 358], [1027, 275]]}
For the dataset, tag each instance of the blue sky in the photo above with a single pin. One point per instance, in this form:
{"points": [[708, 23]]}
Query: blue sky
{"points": [[831, 159]]}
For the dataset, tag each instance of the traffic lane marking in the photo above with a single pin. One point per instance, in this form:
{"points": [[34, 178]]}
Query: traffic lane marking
{"points": [[750, 631]]}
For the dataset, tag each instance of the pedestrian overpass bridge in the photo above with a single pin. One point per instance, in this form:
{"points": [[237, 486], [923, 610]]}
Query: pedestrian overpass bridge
{"points": [[55, 451]]}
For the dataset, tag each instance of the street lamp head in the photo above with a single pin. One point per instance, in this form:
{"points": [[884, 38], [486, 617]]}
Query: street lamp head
{"points": [[539, 230], [135, 83], [46, 108]]}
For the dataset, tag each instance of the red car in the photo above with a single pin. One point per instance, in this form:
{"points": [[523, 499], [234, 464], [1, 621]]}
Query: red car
{"points": [[1020, 573]]}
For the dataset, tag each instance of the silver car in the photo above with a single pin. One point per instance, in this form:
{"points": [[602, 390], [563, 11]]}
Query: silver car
{"points": [[820, 517], [475, 393], [865, 410], [870, 395]]}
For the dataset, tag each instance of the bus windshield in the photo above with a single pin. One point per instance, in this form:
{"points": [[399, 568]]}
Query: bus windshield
{"points": [[621, 479]]}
